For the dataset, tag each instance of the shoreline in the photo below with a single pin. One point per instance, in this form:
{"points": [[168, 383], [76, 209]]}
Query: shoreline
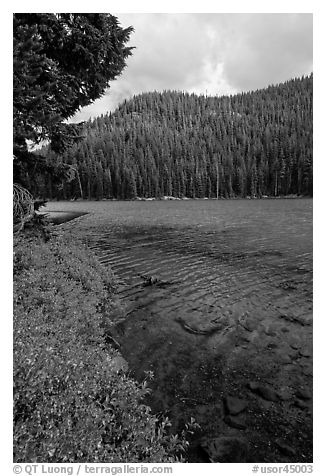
{"points": [[171, 198], [60, 217]]}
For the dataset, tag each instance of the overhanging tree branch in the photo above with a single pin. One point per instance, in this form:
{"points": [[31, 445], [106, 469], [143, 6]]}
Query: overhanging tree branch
{"points": [[62, 62]]}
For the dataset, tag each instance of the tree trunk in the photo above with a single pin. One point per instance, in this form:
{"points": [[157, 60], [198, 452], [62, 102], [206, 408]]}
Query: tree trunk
{"points": [[217, 180]]}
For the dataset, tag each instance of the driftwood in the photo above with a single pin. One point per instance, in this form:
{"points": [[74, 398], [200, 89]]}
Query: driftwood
{"points": [[23, 207], [153, 280], [109, 337]]}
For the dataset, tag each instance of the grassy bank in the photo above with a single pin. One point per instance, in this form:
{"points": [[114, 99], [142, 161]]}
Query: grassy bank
{"points": [[73, 402]]}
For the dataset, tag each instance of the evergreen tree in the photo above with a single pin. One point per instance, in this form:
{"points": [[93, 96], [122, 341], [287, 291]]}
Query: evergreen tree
{"points": [[171, 143], [61, 62]]}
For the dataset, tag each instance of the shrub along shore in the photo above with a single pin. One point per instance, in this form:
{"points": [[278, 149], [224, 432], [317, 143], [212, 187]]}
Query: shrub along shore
{"points": [[72, 402]]}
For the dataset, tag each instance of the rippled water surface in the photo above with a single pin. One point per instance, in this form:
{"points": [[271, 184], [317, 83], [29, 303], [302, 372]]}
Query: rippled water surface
{"points": [[217, 294]]}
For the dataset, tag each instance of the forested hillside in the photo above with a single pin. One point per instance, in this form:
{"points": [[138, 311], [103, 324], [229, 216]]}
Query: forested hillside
{"points": [[183, 145]]}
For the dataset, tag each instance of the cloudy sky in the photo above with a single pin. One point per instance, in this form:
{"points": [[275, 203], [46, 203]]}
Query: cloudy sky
{"points": [[209, 53]]}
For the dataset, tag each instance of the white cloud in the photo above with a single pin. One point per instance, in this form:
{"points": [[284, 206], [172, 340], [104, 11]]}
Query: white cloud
{"points": [[267, 49], [209, 54]]}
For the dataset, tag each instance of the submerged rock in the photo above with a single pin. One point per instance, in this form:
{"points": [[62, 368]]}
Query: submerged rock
{"points": [[303, 405], [304, 394], [284, 394], [198, 325], [235, 405], [295, 344], [285, 449], [284, 358], [270, 331], [235, 422], [226, 449], [249, 324], [305, 352], [265, 392]]}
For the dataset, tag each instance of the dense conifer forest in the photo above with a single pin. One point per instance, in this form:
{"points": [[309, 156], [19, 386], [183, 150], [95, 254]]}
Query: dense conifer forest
{"points": [[183, 145]]}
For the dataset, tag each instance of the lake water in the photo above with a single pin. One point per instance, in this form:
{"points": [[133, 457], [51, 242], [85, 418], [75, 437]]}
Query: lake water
{"points": [[216, 294]]}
